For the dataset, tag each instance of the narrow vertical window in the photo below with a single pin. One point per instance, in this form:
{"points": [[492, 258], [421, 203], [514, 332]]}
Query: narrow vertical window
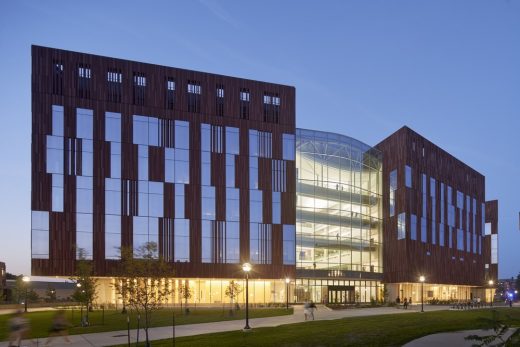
{"points": [[271, 107], [114, 85], [83, 81], [408, 176], [194, 92], [139, 88], [170, 93], [244, 103], [219, 101], [401, 226], [393, 188], [57, 78]]}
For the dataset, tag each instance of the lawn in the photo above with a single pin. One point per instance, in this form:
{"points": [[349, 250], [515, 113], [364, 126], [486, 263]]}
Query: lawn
{"points": [[383, 330], [114, 320]]}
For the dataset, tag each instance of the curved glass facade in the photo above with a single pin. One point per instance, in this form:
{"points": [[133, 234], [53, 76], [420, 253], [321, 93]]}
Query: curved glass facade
{"points": [[338, 218]]}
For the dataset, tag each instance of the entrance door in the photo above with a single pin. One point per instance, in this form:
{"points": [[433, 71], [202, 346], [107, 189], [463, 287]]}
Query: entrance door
{"points": [[341, 294]]}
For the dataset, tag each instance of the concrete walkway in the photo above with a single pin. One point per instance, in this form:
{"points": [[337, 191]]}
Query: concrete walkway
{"points": [[120, 337], [454, 339]]}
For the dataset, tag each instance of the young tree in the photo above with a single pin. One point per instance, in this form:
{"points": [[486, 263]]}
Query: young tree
{"points": [[50, 293], [86, 285], [141, 283], [186, 293], [233, 289], [18, 292]]}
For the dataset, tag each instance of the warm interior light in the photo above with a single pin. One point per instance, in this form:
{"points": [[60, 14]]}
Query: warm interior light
{"points": [[421, 278], [287, 280]]}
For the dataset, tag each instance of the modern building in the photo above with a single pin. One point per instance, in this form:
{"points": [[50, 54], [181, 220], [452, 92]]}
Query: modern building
{"points": [[436, 223], [125, 153], [338, 219], [213, 170]]}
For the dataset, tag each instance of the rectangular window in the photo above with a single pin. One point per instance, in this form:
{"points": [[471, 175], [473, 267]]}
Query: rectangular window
{"points": [[487, 229], [194, 92], [83, 81], [393, 188], [277, 208], [232, 140], [180, 201], [260, 243], [112, 196], [253, 173], [255, 206], [279, 175], [288, 147], [271, 107], [57, 193], [54, 160], [408, 176], [401, 226], [170, 93], [142, 162], [113, 126], [289, 241], [460, 239], [244, 103], [230, 170], [423, 230], [112, 236], [139, 88], [57, 78], [84, 236], [233, 204], [219, 101], [114, 85], [40, 235], [208, 202], [182, 240], [494, 249], [182, 134], [115, 160], [441, 235], [84, 123], [413, 227], [57, 120]]}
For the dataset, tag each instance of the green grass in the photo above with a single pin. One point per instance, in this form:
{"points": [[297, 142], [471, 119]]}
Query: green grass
{"points": [[382, 330], [41, 321]]}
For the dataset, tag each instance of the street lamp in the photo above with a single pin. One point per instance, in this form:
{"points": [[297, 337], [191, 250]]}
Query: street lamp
{"points": [[287, 281], [78, 285], [247, 267], [26, 280], [422, 279]]}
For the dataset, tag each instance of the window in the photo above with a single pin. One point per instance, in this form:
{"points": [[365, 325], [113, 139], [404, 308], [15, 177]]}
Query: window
{"points": [[112, 196], [401, 226], [182, 132], [277, 208], [84, 236], [230, 170], [271, 107], [232, 140], [57, 120], [279, 175], [40, 235], [255, 206], [170, 93], [233, 204], [423, 230], [194, 92], [84, 123], [112, 236], [83, 81], [181, 240], [288, 147], [393, 188], [244, 103], [57, 78], [487, 229], [115, 159], [139, 88], [57, 193], [260, 144], [54, 160], [142, 162], [408, 176], [253, 172], [260, 243], [413, 227], [114, 85], [179, 201], [208, 202], [494, 249], [219, 100], [289, 238], [460, 239]]}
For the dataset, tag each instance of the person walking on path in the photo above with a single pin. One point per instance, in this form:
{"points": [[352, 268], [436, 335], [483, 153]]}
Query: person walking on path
{"points": [[405, 304], [19, 328], [306, 310], [410, 301], [60, 327], [312, 307]]}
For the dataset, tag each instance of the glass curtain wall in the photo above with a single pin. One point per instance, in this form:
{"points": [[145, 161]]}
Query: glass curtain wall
{"points": [[338, 227]]}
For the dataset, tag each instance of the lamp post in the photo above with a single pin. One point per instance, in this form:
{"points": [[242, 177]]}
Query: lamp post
{"points": [[26, 280], [78, 285], [422, 279], [490, 282], [247, 267], [287, 281]]}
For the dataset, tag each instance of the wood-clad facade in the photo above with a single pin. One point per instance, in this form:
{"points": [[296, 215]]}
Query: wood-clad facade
{"points": [[444, 199], [101, 84]]}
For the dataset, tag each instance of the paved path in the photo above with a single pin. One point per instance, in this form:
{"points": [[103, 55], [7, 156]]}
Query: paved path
{"points": [[454, 339], [323, 313]]}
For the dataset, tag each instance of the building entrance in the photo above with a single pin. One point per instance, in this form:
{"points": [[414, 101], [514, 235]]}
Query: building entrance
{"points": [[341, 295]]}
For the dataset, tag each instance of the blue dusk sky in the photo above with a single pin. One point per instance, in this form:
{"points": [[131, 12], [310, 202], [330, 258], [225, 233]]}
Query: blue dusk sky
{"points": [[449, 69]]}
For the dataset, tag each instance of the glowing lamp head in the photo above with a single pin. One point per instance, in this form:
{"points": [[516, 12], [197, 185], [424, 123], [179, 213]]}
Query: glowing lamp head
{"points": [[78, 285], [287, 280], [246, 267], [422, 279], [491, 282]]}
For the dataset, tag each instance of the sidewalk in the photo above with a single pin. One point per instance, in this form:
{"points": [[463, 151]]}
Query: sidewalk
{"points": [[120, 337], [453, 339]]}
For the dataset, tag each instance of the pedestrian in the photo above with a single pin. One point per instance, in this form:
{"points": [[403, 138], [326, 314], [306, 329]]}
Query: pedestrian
{"points": [[405, 304], [306, 309], [398, 301], [312, 307], [510, 303], [410, 301], [18, 327], [60, 327]]}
